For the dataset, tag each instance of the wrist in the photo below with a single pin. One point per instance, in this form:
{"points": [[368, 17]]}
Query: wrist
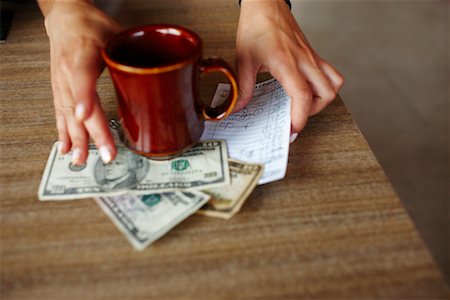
{"points": [[288, 2], [46, 5]]}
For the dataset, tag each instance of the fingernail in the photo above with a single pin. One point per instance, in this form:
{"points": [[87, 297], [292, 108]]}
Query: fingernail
{"points": [[76, 154], [79, 111], [105, 154], [293, 137]]}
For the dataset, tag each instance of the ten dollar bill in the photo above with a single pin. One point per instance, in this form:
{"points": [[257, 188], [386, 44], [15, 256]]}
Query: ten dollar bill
{"points": [[203, 166]]}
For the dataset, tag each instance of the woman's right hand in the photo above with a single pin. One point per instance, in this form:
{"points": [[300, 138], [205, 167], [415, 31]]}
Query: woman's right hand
{"points": [[270, 39], [78, 31]]}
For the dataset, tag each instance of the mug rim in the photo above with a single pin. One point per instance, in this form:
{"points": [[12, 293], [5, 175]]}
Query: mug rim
{"points": [[151, 70]]}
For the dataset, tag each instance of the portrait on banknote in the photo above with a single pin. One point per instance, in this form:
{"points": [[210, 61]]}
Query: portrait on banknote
{"points": [[126, 171]]}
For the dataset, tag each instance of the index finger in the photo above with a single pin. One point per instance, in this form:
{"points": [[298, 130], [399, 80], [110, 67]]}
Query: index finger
{"points": [[83, 82], [98, 129], [297, 89]]}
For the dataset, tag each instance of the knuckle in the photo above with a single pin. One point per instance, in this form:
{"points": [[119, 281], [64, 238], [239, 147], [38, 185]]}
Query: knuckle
{"points": [[47, 24], [340, 81], [310, 57], [304, 94], [56, 87], [298, 120], [65, 63], [59, 112], [329, 95], [244, 96], [68, 111], [281, 59], [296, 126], [62, 137], [62, 132], [78, 139]]}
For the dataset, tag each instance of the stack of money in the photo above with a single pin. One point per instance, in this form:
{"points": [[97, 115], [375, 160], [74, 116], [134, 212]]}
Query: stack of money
{"points": [[146, 198], [227, 201]]}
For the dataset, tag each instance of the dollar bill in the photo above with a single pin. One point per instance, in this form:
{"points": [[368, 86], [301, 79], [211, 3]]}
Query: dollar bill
{"points": [[227, 201], [203, 166], [144, 219]]}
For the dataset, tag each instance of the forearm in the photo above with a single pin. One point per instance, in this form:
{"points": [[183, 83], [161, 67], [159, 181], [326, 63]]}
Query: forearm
{"points": [[46, 5]]}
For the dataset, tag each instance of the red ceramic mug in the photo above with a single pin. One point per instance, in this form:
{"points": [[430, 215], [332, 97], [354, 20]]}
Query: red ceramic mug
{"points": [[156, 71]]}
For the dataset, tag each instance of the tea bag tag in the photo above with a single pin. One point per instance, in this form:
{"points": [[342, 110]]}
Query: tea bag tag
{"points": [[221, 94]]}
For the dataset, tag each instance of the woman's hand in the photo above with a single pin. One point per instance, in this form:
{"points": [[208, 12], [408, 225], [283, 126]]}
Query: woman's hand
{"points": [[269, 39], [77, 31]]}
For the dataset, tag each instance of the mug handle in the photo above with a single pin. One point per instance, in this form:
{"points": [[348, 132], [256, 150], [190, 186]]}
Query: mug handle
{"points": [[223, 110]]}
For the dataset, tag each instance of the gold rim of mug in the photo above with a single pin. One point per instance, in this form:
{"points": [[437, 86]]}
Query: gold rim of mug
{"points": [[152, 70]]}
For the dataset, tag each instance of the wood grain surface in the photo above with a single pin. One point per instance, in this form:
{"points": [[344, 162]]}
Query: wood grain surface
{"points": [[333, 228]]}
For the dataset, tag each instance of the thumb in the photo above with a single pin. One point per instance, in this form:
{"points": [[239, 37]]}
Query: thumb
{"points": [[246, 82]]}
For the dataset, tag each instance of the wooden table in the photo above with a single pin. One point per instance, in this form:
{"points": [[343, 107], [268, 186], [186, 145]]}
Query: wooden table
{"points": [[333, 228]]}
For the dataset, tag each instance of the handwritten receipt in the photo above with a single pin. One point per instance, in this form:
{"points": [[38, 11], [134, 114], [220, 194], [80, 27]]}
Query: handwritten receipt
{"points": [[260, 132]]}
